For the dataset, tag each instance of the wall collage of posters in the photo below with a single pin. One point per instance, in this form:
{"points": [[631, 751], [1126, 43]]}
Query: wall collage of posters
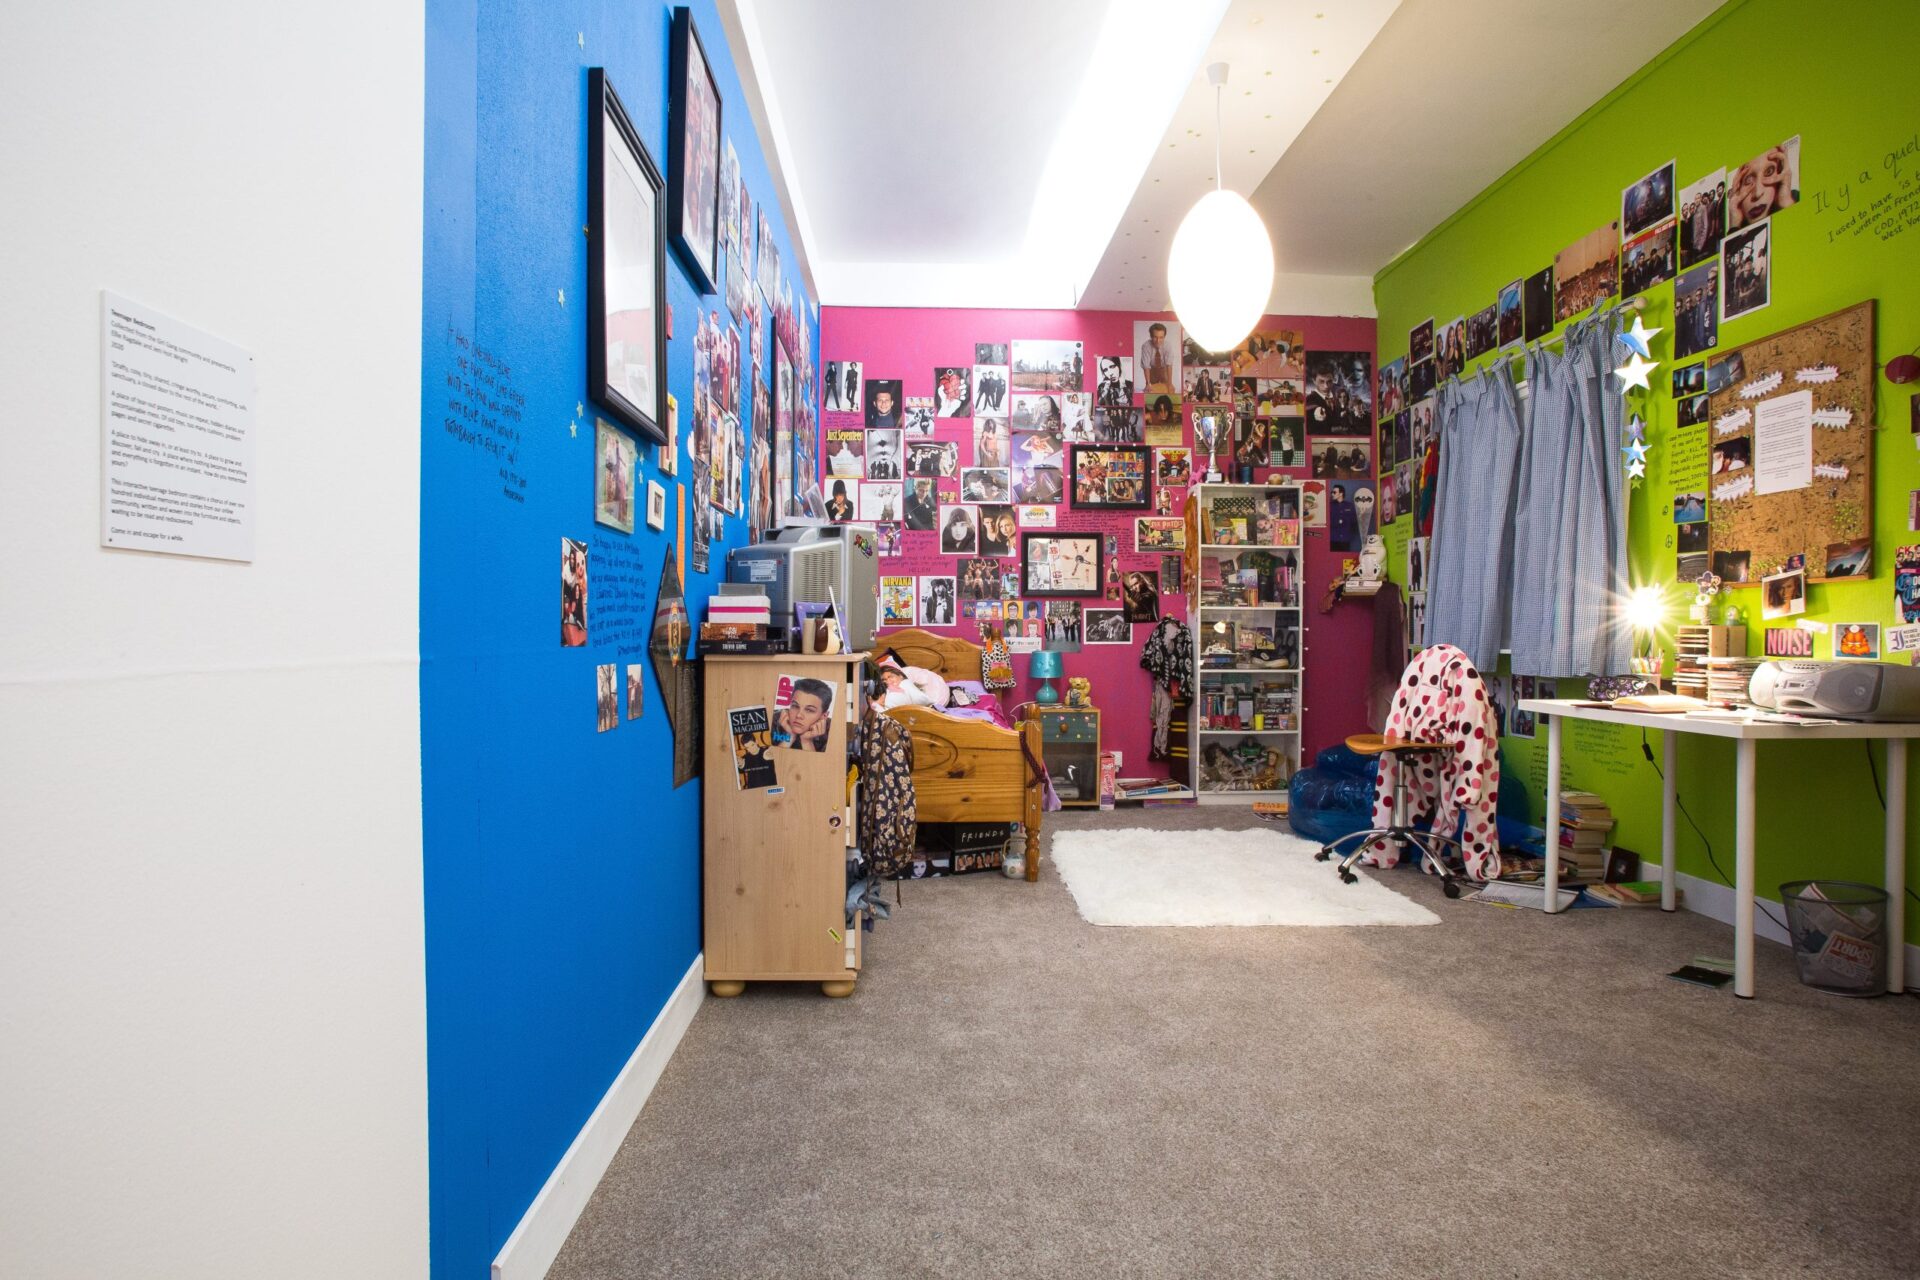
{"points": [[1712, 239], [750, 431], [1054, 512]]}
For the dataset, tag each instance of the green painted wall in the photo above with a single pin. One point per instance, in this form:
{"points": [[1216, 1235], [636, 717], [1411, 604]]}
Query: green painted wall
{"points": [[1755, 73]]}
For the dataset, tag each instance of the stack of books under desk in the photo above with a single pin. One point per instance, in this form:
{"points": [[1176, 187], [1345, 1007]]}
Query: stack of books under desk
{"points": [[1585, 821]]}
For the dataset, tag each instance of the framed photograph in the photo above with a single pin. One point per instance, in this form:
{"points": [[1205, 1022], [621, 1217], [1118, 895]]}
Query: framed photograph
{"points": [[626, 268], [614, 457], [656, 505], [1061, 564], [1113, 477], [1107, 626], [693, 154]]}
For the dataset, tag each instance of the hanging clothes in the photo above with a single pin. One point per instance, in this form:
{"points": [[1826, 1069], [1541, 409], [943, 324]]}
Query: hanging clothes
{"points": [[1168, 658], [1442, 699]]}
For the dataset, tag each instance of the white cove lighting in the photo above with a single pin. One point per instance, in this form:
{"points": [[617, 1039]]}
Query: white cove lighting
{"points": [[1220, 270]]}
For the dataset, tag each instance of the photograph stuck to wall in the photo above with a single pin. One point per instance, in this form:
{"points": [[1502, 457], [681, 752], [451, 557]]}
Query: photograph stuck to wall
{"points": [[917, 417], [1747, 259], [896, 601], [1156, 357], [1313, 504], [937, 597], [1696, 310], [1647, 260], [1420, 342], [613, 477], [1107, 626], [1703, 218], [958, 529], [952, 391], [1764, 185], [1647, 203], [1536, 305], [840, 387], [884, 404], [1856, 641], [881, 501], [1047, 365], [990, 390], [1783, 595], [1508, 321], [1587, 271], [1113, 381], [573, 593], [999, 532], [606, 684]]}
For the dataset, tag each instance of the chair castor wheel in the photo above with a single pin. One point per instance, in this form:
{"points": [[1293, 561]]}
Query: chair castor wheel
{"points": [[1450, 887], [1323, 855], [1347, 877]]}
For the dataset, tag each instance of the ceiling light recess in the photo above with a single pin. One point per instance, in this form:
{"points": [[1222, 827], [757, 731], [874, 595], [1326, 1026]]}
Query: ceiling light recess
{"points": [[1220, 269]]}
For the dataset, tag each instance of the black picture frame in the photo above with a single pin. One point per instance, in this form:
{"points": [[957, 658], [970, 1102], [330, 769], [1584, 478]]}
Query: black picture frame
{"points": [[1142, 455], [693, 159], [610, 134], [1041, 585]]}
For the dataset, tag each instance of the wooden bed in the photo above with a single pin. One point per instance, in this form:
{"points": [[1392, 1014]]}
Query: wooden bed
{"points": [[966, 770]]}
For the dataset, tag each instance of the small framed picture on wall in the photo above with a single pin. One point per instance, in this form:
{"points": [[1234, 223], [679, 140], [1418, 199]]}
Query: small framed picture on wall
{"points": [[1113, 477], [1061, 564], [626, 268], [693, 154]]}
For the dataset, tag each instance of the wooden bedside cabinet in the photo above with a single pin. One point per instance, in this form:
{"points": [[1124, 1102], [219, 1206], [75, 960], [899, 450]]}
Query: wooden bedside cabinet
{"points": [[1070, 747]]}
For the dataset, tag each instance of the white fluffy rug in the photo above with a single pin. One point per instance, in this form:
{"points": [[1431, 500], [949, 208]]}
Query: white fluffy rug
{"points": [[1257, 877]]}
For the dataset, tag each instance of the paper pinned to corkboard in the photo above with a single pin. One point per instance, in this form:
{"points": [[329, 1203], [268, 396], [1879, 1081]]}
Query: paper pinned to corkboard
{"points": [[1833, 359]]}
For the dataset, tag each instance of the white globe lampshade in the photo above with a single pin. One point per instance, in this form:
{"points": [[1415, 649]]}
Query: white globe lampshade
{"points": [[1220, 272]]}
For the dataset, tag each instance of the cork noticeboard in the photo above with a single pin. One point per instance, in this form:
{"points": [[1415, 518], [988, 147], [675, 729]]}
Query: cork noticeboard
{"points": [[1830, 520]]}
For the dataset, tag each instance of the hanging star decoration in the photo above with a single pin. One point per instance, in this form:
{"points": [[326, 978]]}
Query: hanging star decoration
{"points": [[1634, 373], [1636, 452], [563, 297], [1639, 336], [1637, 429], [573, 430], [1636, 469]]}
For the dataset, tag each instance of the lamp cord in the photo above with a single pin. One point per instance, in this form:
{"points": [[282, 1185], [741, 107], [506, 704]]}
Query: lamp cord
{"points": [[1218, 181]]}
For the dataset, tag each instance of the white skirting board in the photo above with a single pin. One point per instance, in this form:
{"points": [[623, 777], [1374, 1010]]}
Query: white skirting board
{"points": [[1714, 900], [536, 1241]]}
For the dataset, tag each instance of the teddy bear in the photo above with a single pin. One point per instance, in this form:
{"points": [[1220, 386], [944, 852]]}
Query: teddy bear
{"points": [[1079, 691]]}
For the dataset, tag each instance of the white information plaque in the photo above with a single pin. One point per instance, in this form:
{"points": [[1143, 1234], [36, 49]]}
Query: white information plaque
{"points": [[177, 436]]}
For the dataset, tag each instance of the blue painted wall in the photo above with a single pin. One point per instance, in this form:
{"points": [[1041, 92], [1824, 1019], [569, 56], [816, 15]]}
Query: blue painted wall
{"points": [[562, 869]]}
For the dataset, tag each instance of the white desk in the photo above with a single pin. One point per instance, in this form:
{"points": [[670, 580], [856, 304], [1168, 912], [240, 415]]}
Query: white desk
{"points": [[1745, 736]]}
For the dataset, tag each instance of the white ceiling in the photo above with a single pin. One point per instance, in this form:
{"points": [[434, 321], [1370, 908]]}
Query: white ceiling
{"points": [[1451, 95], [1041, 153]]}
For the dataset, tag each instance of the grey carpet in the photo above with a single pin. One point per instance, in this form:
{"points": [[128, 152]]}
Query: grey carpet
{"points": [[1013, 1092]]}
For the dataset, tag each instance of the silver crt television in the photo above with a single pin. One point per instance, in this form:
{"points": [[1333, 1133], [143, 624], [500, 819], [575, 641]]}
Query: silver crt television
{"points": [[814, 565]]}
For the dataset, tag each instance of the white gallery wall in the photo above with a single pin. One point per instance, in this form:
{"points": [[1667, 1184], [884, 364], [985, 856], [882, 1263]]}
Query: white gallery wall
{"points": [[212, 1019]]}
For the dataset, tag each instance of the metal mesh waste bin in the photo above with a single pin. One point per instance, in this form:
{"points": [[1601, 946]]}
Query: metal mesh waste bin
{"points": [[1839, 935]]}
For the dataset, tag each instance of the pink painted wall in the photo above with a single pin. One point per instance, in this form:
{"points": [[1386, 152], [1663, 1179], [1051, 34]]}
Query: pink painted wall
{"points": [[907, 343]]}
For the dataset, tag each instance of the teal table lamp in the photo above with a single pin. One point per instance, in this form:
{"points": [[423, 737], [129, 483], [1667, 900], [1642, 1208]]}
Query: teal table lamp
{"points": [[1044, 666]]}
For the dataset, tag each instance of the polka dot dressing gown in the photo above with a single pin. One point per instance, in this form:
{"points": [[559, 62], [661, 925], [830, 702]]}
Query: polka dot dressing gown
{"points": [[1442, 699]]}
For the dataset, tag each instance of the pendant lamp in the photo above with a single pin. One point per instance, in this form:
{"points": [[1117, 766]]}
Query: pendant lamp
{"points": [[1220, 271]]}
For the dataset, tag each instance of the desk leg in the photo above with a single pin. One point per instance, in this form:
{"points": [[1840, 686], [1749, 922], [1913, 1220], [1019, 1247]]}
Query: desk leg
{"points": [[1553, 813], [1743, 869], [1896, 864], [1669, 805]]}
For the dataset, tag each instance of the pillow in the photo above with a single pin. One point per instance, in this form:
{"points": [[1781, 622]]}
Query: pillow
{"points": [[926, 681], [967, 693]]}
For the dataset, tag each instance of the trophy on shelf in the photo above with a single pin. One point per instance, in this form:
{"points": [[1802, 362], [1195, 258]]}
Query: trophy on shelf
{"points": [[1207, 427]]}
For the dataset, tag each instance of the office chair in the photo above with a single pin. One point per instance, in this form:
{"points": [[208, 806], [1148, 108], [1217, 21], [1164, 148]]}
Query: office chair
{"points": [[1398, 833], [1440, 749]]}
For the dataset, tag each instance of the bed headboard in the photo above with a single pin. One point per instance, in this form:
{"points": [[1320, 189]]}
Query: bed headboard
{"points": [[951, 657]]}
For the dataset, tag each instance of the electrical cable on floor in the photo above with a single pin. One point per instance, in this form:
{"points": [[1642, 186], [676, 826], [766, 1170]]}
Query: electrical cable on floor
{"points": [[1705, 843]]}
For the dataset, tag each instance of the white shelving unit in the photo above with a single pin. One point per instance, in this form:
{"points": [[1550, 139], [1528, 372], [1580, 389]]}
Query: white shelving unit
{"points": [[1249, 639]]}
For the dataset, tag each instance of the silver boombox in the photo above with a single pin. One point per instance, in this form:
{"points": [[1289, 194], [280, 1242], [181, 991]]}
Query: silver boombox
{"points": [[1841, 690]]}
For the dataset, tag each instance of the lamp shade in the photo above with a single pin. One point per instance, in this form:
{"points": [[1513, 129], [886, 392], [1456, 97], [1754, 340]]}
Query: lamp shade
{"points": [[1220, 270], [1044, 664]]}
